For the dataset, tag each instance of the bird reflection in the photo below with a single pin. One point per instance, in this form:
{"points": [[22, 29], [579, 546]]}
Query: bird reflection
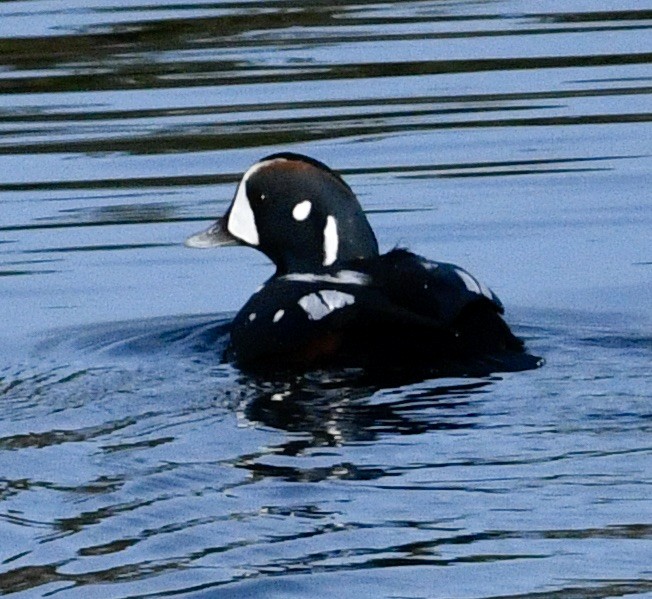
{"points": [[332, 406], [350, 406]]}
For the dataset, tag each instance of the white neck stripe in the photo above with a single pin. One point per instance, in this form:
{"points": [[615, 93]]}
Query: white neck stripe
{"points": [[331, 241]]}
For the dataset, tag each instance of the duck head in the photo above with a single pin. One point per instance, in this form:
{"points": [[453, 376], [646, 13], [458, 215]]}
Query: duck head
{"points": [[298, 212]]}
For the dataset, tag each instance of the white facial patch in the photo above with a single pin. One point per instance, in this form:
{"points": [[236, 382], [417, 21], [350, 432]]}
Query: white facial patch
{"points": [[252, 317], [302, 210], [278, 316], [322, 303], [331, 241], [343, 277], [242, 222]]}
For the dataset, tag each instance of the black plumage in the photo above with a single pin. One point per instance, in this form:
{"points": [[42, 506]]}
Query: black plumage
{"points": [[334, 299]]}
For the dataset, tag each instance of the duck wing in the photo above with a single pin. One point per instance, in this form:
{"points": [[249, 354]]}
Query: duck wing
{"points": [[448, 295]]}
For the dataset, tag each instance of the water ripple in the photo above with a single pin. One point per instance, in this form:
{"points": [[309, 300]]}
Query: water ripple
{"points": [[134, 462]]}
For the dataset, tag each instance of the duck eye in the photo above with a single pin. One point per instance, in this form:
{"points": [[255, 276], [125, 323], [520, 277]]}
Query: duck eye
{"points": [[255, 194]]}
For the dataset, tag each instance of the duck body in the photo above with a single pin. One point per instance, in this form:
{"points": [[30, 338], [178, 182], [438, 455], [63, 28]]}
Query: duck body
{"points": [[334, 300], [395, 309]]}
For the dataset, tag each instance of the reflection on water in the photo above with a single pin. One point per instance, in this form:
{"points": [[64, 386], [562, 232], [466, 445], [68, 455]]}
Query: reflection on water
{"points": [[190, 476], [334, 413], [512, 140]]}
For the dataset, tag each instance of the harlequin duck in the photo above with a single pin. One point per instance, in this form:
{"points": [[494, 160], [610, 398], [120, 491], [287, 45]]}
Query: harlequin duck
{"points": [[334, 300]]}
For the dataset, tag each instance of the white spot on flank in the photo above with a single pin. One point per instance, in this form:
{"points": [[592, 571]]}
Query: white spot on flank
{"points": [[252, 317], [242, 222], [471, 284], [302, 210], [344, 277], [280, 396], [320, 304], [331, 241], [278, 316], [429, 264], [486, 291]]}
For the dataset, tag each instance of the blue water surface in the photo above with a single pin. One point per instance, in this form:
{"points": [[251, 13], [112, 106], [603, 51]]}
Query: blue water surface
{"points": [[511, 138]]}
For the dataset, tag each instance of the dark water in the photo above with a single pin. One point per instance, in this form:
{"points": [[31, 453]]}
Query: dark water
{"points": [[512, 138]]}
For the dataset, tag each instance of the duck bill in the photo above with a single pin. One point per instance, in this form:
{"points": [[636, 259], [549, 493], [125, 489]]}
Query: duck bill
{"points": [[217, 235]]}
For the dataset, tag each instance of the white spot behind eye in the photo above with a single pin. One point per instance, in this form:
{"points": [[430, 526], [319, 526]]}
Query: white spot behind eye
{"points": [[302, 210], [278, 316], [471, 284], [320, 304], [331, 241], [252, 317]]}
